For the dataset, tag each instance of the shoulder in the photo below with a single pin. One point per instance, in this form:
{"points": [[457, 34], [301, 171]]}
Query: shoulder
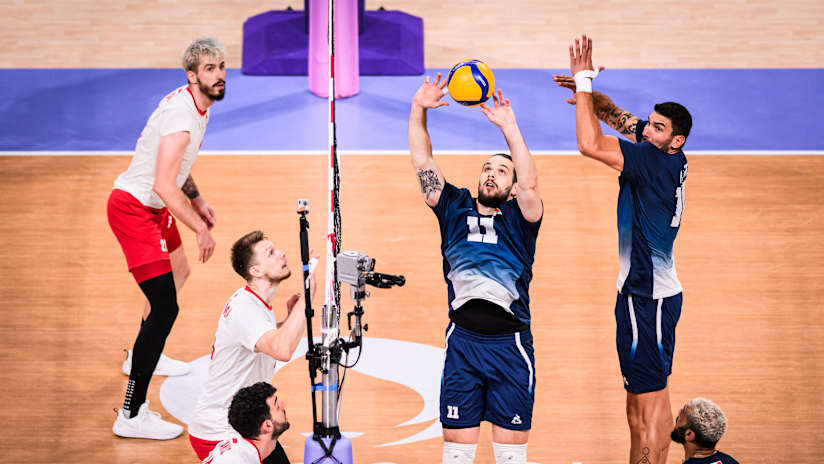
{"points": [[181, 102], [452, 194], [726, 458], [241, 301], [458, 192], [511, 212]]}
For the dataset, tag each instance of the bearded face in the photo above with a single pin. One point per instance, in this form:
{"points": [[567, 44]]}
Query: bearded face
{"points": [[491, 196], [495, 183]]}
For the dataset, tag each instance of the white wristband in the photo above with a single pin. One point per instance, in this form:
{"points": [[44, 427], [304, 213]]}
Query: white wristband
{"points": [[583, 80]]}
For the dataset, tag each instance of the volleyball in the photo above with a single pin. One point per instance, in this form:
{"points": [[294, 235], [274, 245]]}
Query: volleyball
{"points": [[471, 82]]}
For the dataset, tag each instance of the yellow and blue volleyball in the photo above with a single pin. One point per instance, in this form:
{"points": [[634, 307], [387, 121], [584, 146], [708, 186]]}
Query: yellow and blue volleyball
{"points": [[471, 82]]}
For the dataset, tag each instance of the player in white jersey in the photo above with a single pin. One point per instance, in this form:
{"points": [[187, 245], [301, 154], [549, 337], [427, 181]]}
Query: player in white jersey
{"points": [[650, 204], [155, 189], [248, 341], [259, 418]]}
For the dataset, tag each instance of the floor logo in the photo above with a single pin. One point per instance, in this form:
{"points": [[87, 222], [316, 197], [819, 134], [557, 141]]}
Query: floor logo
{"points": [[413, 365]]}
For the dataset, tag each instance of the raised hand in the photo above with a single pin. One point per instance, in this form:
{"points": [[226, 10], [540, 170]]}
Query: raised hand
{"points": [[430, 93], [500, 113], [580, 56], [569, 83]]}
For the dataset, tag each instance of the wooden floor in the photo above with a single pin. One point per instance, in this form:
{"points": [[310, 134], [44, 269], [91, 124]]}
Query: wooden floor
{"points": [[749, 254], [511, 34]]}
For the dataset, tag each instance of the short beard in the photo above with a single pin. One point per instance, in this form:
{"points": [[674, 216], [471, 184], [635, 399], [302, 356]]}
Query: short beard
{"points": [[278, 280], [207, 91], [492, 201], [678, 435], [279, 429]]}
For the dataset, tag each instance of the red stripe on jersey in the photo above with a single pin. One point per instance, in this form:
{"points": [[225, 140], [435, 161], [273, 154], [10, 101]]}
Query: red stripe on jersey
{"points": [[202, 113], [258, 297], [256, 448]]}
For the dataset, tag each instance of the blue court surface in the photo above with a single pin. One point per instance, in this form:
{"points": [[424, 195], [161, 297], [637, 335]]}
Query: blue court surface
{"points": [[736, 110]]}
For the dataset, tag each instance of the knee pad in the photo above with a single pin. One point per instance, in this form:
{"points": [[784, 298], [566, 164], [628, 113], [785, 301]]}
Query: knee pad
{"points": [[162, 296], [509, 454], [458, 453]]}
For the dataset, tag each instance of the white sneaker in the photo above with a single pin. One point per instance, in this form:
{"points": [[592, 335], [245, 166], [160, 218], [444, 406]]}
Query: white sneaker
{"points": [[146, 424], [165, 366]]}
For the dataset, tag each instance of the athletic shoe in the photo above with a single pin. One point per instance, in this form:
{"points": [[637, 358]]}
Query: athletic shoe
{"points": [[146, 424], [165, 366]]}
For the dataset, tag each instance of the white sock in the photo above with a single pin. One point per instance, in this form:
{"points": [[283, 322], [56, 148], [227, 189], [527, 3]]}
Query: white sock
{"points": [[509, 454], [458, 453]]}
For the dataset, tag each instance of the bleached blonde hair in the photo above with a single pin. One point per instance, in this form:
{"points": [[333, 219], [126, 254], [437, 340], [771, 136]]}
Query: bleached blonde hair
{"points": [[707, 420], [202, 47]]}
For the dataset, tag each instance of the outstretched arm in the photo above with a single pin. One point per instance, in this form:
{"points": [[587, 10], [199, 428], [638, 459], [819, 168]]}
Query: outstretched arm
{"points": [[420, 146], [527, 192], [614, 116], [592, 143]]}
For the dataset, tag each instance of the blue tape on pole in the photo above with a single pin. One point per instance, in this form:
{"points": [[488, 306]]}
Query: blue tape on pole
{"points": [[305, 267], [320, 387]]}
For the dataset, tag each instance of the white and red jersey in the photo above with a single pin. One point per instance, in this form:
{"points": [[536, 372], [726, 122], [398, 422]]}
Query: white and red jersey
{"points": [[177, 112], [234, 451], [234, 364]]}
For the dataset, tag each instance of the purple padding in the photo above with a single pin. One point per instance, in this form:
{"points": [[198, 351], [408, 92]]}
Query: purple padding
{"points": [[276, 43], [391, 44], [106, 109]]}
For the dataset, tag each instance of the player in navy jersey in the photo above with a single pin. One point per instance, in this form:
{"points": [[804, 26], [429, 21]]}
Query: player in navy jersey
{"points": [[650, 204], [699, 427], [488, 247]]}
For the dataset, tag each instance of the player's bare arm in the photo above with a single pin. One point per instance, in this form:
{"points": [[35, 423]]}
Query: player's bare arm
{"points": [[282, 343], [528, 193], [592, 143], [606, 110], [190, 188], [420, 146], [169, 158], [614, 116], [205, 211]]}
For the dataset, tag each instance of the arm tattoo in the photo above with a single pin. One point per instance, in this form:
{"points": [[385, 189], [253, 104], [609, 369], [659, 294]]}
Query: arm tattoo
{"points": [[619, 119], [189, 188], [645, 458], [429, 182]]}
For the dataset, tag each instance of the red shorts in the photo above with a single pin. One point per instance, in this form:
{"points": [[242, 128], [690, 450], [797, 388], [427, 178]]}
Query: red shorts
{"points": [[202, 447], [146, 235]]}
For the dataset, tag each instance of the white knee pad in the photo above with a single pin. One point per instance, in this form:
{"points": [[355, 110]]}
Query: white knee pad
{"points": [[458, 453], [509, 454]]}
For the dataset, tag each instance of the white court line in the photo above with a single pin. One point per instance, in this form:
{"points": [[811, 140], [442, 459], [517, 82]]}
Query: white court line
{"points": [[395, 152]]}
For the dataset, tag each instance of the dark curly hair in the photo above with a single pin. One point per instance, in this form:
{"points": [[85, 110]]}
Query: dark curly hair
{"points": [[242, 252], [249, 409]]}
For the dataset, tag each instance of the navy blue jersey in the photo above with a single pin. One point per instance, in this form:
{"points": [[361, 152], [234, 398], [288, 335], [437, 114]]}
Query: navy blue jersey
{"points": [[650, 204], [486, 257], [717, 458]]}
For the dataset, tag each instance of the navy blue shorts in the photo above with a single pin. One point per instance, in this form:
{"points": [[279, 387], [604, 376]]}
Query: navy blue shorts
{"points": [[645, 338], [488, 377]]}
